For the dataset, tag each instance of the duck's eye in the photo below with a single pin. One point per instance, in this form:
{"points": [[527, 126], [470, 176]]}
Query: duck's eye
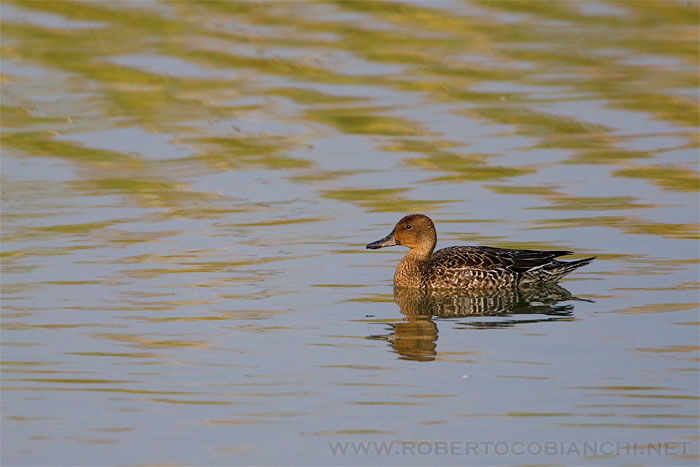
{"points": [[408, 226]]}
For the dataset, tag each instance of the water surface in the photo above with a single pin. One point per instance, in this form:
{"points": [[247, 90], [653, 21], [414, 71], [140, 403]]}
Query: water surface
{"points": [[187, 189]]}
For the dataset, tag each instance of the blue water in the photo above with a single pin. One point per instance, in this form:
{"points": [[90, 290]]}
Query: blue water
{"points": [[188, 189]]}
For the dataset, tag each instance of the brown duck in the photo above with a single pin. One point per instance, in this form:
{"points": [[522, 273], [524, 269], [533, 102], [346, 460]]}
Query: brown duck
{"points": [[468, 266]]}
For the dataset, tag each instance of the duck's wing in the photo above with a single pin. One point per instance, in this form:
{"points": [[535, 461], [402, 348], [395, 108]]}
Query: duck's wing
{"points": [[491, 258]]}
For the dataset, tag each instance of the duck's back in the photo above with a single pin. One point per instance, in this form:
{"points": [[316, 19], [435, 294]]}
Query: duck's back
{"points": [[483, 266]]}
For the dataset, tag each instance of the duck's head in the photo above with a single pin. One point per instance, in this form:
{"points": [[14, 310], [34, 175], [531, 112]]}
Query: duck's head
{"points": [[415, 231]]}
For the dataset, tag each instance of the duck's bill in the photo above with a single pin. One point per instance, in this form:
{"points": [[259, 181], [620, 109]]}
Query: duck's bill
{"points": [[389, 240]]}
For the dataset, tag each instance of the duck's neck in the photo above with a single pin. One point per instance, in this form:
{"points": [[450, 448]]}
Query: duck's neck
{"points": [[420, 254], [412, 268]]}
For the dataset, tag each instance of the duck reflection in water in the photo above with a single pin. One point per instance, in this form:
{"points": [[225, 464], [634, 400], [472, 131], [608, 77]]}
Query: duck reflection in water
{"points": [[415, 338]]}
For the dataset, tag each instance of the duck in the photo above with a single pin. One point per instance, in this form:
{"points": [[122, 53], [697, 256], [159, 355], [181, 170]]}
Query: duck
{"points": [[468, 267]]}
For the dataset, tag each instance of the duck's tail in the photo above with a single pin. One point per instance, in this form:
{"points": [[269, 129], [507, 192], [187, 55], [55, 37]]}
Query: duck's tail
{"points": [[552, 272], [560, 269]]}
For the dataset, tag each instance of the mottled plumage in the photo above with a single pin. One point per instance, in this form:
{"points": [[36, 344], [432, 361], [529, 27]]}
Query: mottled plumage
{"points": [[468, 266]]}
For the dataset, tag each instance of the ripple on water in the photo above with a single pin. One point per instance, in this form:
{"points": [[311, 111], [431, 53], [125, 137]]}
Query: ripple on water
{"points": [[187, 188]]}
